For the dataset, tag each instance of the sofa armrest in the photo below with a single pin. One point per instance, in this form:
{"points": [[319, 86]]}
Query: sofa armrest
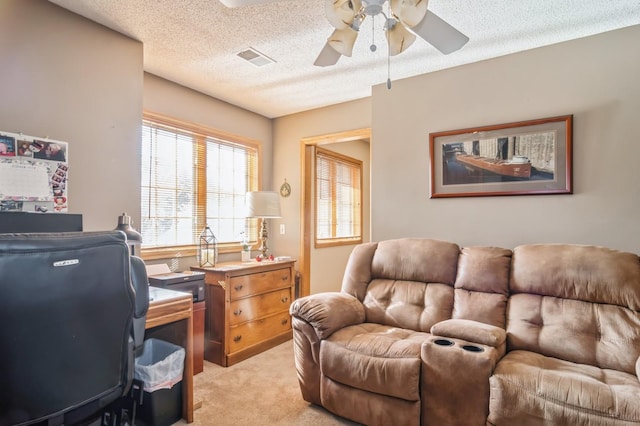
{"points": [[328, 312], [638, 368], [471, 331]]}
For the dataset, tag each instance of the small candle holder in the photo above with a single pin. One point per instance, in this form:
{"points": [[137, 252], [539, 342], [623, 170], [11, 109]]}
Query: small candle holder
{"points": [[207, 249]]}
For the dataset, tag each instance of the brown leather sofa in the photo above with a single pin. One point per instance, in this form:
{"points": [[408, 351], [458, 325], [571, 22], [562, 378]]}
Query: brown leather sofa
{"points": [[425, 332]]}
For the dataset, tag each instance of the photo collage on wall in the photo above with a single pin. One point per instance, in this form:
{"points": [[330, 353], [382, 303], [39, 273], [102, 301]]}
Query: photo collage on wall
{"points": [[33, 173]]}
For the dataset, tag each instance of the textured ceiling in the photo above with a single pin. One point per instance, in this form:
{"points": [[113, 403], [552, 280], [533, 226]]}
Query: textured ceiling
{"points": [[194, 43]]}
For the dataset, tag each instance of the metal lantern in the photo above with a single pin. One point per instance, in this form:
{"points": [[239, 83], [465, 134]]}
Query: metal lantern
{"points": [[207, 249]]}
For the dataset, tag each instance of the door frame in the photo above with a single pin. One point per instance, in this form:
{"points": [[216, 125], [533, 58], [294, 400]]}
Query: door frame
{"points": [[307, 149]]}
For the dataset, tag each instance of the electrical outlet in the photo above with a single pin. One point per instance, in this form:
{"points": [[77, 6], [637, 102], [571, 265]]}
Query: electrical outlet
{"points": [[282, 229]]}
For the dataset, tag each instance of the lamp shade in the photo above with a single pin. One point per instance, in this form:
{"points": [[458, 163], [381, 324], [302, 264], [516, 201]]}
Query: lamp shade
{"points": [[399, 38], [265, 204], [409, 12]]}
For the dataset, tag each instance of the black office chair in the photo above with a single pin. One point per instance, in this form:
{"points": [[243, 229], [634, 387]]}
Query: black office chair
{"points": [[72, 316]]}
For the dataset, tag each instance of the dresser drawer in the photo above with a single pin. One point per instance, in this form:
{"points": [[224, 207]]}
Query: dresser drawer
{"points": [[250, 308], [250, 333], [247, 308], [246, 285]]}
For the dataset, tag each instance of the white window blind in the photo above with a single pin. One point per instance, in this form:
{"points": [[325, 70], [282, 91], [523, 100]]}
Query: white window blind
{"points": [[338, 198], [192, 178]]}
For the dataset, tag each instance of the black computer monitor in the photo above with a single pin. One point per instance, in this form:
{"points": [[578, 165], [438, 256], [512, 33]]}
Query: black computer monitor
{"points": [[23, 222]]}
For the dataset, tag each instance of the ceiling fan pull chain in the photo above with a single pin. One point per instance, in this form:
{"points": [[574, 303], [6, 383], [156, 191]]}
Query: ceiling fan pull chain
{"points": [[373, 46], [388, 65]]}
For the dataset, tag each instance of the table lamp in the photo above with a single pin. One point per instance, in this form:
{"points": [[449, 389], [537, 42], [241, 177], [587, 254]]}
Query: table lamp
{"points": [[133, 237], [264, 205]]}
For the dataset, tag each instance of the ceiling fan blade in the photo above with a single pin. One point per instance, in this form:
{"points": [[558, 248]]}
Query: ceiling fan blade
{"points": [[327, 57], [409, 12], [399, 38], [240, 3], [341, 13], [440, 34]]}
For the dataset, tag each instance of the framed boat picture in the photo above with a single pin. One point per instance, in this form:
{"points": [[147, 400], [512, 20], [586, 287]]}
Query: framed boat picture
{"points": [[522, 158]]}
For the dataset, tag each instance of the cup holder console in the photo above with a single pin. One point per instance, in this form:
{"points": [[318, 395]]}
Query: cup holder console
{"points": [[468, 348], [443, 342], [472, 348]]}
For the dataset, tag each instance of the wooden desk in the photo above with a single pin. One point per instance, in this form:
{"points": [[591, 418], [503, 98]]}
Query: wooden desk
{"points": [[170, 318]]}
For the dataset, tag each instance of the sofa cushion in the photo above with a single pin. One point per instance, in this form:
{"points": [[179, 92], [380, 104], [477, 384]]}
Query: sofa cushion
{"points": [[327, 312], [605, 336], [375, 358], [484, 269], [471, 331], [367, 408], [577, 303], [489, 308], [407, 304], [482, 285], [527, 387], [588, 273], [416, 259]]}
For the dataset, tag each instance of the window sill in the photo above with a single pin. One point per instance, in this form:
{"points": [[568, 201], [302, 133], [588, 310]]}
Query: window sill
{"points": [[335, 242]]}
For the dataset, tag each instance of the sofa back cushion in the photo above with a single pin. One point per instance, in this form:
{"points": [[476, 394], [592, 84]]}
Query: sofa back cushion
{"points": [[415, 283], [577, 303], [405, 282], [482, 285]]}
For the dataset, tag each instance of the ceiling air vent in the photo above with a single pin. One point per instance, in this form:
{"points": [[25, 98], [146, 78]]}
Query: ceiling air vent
{"points": [[255, 57]]}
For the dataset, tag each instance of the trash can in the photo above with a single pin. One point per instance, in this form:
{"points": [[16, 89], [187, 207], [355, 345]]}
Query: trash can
{"points": [[159, 367]]}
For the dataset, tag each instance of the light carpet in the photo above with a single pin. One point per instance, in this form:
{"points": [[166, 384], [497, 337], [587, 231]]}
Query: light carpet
{"points": [[262, 390]]}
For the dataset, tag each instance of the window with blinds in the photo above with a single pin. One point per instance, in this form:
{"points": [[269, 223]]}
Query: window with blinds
{"points": [[338, 199], [193, 176]]}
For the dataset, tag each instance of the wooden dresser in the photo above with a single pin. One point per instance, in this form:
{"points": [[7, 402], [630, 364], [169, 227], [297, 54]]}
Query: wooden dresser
{"points": [[247, 308]]}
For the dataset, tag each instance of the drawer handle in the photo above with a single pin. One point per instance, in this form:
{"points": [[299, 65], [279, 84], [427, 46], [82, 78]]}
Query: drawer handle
{"points": [[284, 299], [238, 287], [285, 277], [237, 338], [284, 322], [237, 312]]}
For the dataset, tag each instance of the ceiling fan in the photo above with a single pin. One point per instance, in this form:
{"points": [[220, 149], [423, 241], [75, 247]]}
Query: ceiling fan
{"points": [[404, 20]]}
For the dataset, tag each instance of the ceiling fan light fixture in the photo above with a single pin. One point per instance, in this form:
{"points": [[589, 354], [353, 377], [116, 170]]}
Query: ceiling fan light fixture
{"points": [[398, 37], [357, 21], [409, 12], [342, 41], [341, 13]]}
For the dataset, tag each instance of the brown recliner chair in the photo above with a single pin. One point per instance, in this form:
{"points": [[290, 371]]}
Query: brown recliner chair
{"points": [[72, 309], [370, 352]]}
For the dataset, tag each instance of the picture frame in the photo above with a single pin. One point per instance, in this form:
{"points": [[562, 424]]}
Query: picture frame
{"points": [[521, 158]]}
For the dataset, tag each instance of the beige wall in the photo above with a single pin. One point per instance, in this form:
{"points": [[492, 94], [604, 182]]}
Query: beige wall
{"points": [[595, 79], [70, 79]]}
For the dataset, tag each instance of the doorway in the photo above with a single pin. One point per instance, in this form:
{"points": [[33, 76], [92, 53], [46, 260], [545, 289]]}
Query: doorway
{"points": [[310, 255]]}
